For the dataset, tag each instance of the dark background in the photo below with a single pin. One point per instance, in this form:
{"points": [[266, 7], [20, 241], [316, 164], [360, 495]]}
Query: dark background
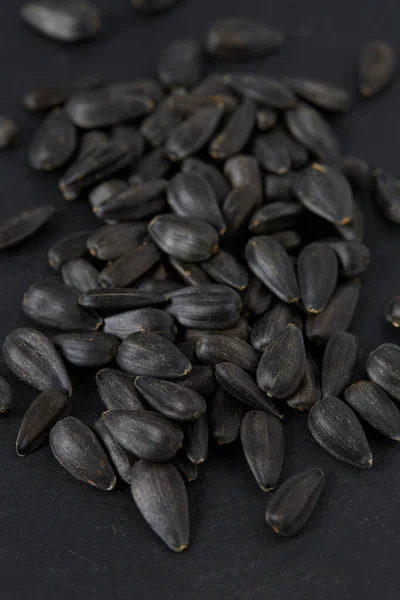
{"points": [[60, 538]]}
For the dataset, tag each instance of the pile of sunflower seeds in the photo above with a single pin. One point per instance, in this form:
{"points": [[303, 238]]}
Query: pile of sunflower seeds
{"points": [[201, 296]]}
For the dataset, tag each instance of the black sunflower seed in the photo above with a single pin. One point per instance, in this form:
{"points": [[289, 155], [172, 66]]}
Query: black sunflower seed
{"points": [[80, 453], [266, 118], [151, 166], [238, 207], [200, 379], [377, 66], [150, 354], [157, 127], [272, 323], [158, 287], [31, 356], [212, 84], [309, 390], [298, 152], [338, 431], [54, 142], [310, 129], [243, 170], [21, 226], [279, 187], [357, 171], [241, 330], [8, 132], [131, 265], [44, 412], [65, 20], [112, 241], [55, 94], [271, 152], [353, 256], [326, 192], [187, 469], [195, 443], [225, 414], [393, 312], [150, 320], [90, 141], [117, 299], [256, 298], [383, 368], [117, 390], [145, 434], [376, 408], [242, 386], [67, 248], [82, 349], [131, 137], [317, 269], [187, 103], [289, 239], [282, 365], [387, 195], [171, 399], [225, 268], [275, 216], [140, 87], [236, 133], [262, 439], [353, 231], [6, 399], [293, 503], [340, 364], [152, 6], [214, 348], [50, 302], [180, 64], [191, 273], [241, 39], [320, 93], [264, 90], [138, 201], [208, 306], [188, 239], [79, 274], [193, 133], [336, 316], [159, 491], [214, 177], [120, 458], [269, 261]]}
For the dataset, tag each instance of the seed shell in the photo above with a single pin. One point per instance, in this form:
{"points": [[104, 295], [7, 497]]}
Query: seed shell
{"points": [[82, 349], [130, 266], [353, 257], [150, 320], [225, 414], [67, 248], [6, 399], [317, 269], [112, 241], [383, 368], [21, 226], [238, 207], [340, 364], [154, 165], [159, 125], [377, 66], [195, 443], [387, 195], [54, 142], [117, 299], [117, 390], [171, 399], [309, 391], [243, 170], [264, 90], [323, 95], [55, 94], [180, 64], [80, 275], [191, 273], [8, 132], [214, 348], [138, 201], [272, 323], [393, 312], [224, 268], [121, 460], [214, 177], [272, 154], [274, 216], [236, 133]]}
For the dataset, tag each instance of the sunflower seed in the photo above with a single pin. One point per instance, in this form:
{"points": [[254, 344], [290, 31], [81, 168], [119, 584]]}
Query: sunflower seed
{"points": [[152, 6], [117, 390], [154, 165], [393, 312], [54, 142], [271, 153], [214, 348], [295, 500], [298, 153], [353, 256], [150, 320], [83, 349], [353, 231], [117, 299], [377, 66], [90, 141], [265, 90], [138, 201], [140, 87], [341, 361], [357, 171], [309, 390], [21, 226], [195, 443], [6, 399], [56, 94], [272, 323], [187, 469], [338, 431], [266, 118], [256, 298], [200, 379], [225, 415], [224, 268], [238, 207], [212, 84], [171, 399], [289, 239], [376, 408], [155, 286], [187, 103], [279, 187], [121, 460], [80, 275], [383, 368], [317, 269], [241, 330], [323, 95], [243, 170], [158, 126], [191, 273], [130, 266], [8, 132], [214, 177], [131, 137], [387, 195], [236, 133], [180, 64], [275, 216], [112, 241], [70, 247]]}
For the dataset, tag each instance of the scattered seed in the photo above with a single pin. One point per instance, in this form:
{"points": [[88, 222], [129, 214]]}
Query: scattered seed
{"points": [[21, 226], [272, 323], [80, 275], [83, 349], [377, 66], [214, 177], [225, 414], [265, 90], [272, 154], [236, 132], [117, 299], [238, 207], [68, 248], [112, 241], [320, 93], [6, 399], [56, 94], [243, 170], [131, 265], [54, 142], [195, 443], [275, 216], [224, 268], [340, 364], [159, 125], [117, 390], [150, 320], [121, 460], [376, 408], [309, 391], [171, 399], [180, 64], [215, 348], [383, 368], [317, 269]]}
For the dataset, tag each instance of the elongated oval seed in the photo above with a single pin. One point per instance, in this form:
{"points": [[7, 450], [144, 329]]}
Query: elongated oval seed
{"points": [[67, 248], [238, 207], [243, 170], [256, 298], [262, 439], [309, 390], [393, 312], [387, 195], [160, 495], [131, 265], [82, 349], [195, 444], [353, 231], [272, 323], [54, 142], [138, 201], [293, 503], [55, 94], [225, 414], [272, 154], [180, 64], [21, 226], [6, 398], [353, 257], [338, 431], [320, 93], [340, 364], [376, 408], [80, 275], [150, 320], [117, 299], [264, 90], [236, 132], [214, 177], [112, 241], [117, 390], [317, 269], [225, 269], [377, 65], [31, 356], [383, 368], [145, 434], [80, 453], [171, 399], [214, 348], [274, 216], [120, 458]]}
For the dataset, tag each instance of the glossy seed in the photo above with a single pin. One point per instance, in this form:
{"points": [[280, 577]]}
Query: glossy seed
{"points": [[377, 66], [238, 207], [130, 266], [265, 90], [383, 368], [44, 412], [200, 379], [214, 177], [357, 171], [186, 468], [138, 201], [393, 312], [160, 495], [225, 268], [117, 299], [214, 348], [236, 133], [112, 241], [21, 226], [158, 126], [191, 273], [55, 94], [185, 238], [6, 398], [50, 302], [295, 500], [121, 460], [208, 306], [150, 354], [152, 6], [262, 439], [195, 443], [80, 453], [272, 323], [31, 356], [271, 153], [256, 298], [387, 195], [337, 430], [320, 93], [317, 269], [310, 129], [373, 405], [275, 216], [90, 141], [54, 142], [289, 239], [241, 39], [154, 165], [353, 257], [117, 390], [269, 261], [187, 103], [180, 64], [83, 349], [242, 386], [266, 118], [282, 365], [150, 320], [243, 170], [225, 414], [340, 364], [145, 434], [353, 231], [80, 275], [279, 187], [68, 248], [65, 20], [171, 399], [212, 84], [309, 390], [131, 137], [336, 316]]}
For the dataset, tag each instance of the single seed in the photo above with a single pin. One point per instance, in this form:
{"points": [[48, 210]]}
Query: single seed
{"points": [[274, 216], [70, 247], [54, 142], [117, 390], [225, 414], [55, 94], [131, 265], [83, 349], [191, 273], [236, 132], [373, 405], [121, 460], [195, 443], [171, 399], [353, 257], [151, 320], [383, 368], [377, 66], [6, 399], [272, 323], [21, 226], [317, 268], [80, 275], [180, 64], [215, 348], [340, 364], [264, 90], [112, 241], [117, 299], [323, 95], [224, 268]]}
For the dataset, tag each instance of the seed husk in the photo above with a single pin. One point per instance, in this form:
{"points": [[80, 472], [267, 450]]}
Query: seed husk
{"points": [[193, 133], [54, 142], [186, 468], [383, 368], [309, 390], [142, 319], [373, 405], [131, 265], [224, 268], [160, 495], [50, 302], [112, 241], [282, 365], [225, 414], [340, 364], [336, 316], [269, 261], [274, 216], [117, 299], [171, 399], [393, 312], [236, 133], [67, 248], [56, 94], [353, 231], [266, 118], [209, 306], [264, 90], [138, 201], [279, 187], [309, 128], [31, 356], [188, 239], [289, 239], [214, 348], [191, 273], [271, 152], [317, 268], [131, 137], [238, 207], [353, 257], [242, 386], [158, 126], [145, 434], [338, 431], [323, 95], [377, 66], [6, 399], [82, 349], [293, 503], [121, 460], [80, 275], [326, 192], [150, 354], [195, 443], [262, 439], [200, 379], [44, 412], [117, 390], [180, 64], [8, 132], [241, 330], [214, 177], [21, 226], [154, 165], [149, 7], [387, 195], [241, 39], [243, 170], [65, 20], [272, 323], [80, 453]]}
